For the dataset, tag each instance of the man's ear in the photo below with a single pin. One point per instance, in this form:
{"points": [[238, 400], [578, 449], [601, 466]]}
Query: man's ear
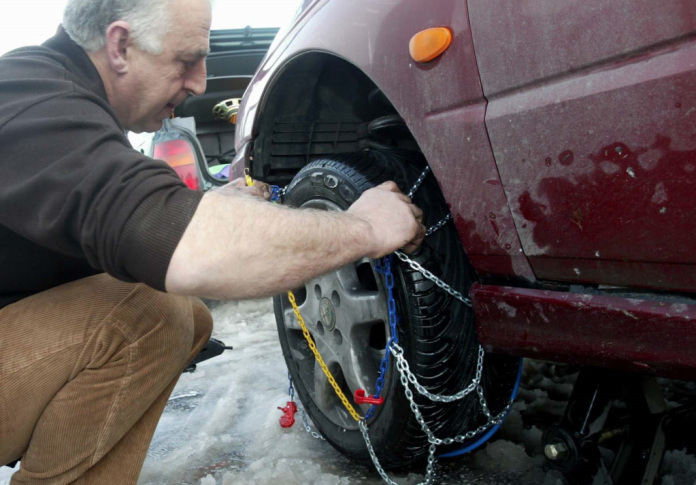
{"points": [[119, 46]]}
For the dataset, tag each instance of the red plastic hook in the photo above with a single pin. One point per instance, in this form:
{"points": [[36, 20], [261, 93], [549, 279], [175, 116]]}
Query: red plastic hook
{"points": [[360, 398], [288, 417]]}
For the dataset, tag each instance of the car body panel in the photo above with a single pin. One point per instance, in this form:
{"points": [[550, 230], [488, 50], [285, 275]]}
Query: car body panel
{"points": [[631, 334], [570, 152], [442, 103], [592, 120]]}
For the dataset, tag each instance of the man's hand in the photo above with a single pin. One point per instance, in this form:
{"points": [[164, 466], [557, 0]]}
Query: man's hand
{"points": [[259, 189], [396, 223]]}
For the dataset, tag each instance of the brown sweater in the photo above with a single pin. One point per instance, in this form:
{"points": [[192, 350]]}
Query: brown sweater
{"points": [[75, 198]]}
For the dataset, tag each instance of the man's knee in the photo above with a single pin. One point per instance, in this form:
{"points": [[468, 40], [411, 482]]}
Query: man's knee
{"points": [[166, 327], [203, 323]]}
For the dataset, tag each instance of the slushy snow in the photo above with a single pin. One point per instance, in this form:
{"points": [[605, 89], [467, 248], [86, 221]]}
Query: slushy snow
{"points": [[222, 427]]}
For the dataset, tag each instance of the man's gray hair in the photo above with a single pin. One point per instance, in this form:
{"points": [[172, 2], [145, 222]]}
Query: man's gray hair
{"points": [[86, 21]]}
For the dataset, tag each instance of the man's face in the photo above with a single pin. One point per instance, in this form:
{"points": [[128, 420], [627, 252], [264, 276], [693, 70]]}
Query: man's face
{"points": [[155, 85]]}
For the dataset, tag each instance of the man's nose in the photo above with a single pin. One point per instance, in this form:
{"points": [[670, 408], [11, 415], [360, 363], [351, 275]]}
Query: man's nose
{"points": [[196, 80]]}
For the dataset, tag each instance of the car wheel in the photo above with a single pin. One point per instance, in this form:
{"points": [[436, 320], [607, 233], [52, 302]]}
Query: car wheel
{"points": [[346, 314]]}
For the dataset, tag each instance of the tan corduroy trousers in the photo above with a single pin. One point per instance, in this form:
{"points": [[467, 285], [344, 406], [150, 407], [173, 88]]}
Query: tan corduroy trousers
{"points": [[85, 372]]}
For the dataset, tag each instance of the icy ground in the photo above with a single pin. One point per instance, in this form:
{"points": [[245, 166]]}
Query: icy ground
{"points": [[222, 428]]}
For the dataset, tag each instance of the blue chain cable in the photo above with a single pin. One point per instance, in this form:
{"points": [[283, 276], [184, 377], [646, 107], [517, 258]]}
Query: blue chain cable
{"points": [[291, 389], [383, 266], [275, 193]]}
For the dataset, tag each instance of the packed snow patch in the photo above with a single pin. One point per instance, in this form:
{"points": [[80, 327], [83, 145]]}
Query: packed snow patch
{"points": [[224, 430]]}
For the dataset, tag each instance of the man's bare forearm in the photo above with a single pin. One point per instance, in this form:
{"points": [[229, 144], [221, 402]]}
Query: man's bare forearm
{"points": [[238, 246]]}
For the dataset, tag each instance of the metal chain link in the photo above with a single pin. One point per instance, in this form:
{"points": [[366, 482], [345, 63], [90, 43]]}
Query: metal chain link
{"points": [[417, 267], [430, 471], [419, 182], [402, 365], [406, 379], [291, 388], [482, 400], [413, 191], [308, 428], [438, 226]]}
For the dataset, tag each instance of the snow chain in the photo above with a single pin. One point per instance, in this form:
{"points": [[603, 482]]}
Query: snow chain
{"points": [[317, 356], [407, 377]]}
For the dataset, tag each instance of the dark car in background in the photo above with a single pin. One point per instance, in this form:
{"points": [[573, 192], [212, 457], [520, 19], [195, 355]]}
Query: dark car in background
{"points": [[561, 137]]}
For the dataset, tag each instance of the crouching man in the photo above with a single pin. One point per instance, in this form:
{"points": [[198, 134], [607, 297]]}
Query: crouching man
{"points": [[103, 251]]}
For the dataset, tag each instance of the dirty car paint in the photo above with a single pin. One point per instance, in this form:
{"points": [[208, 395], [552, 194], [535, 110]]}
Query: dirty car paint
{"points": [[595, 138]]}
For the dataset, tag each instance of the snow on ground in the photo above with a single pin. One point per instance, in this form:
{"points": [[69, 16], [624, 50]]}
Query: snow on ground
{"points": [[222, 428]]}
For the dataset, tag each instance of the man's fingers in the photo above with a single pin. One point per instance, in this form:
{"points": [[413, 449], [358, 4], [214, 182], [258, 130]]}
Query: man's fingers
{"points": [[412, 246], [418, 213], [259, 189], [389, 186], [253, 190], [403, 198], [420, 235], [265, 189]]}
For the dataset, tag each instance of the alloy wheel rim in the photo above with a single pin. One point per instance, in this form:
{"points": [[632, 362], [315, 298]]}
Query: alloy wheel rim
{"points": [[347, 316]]}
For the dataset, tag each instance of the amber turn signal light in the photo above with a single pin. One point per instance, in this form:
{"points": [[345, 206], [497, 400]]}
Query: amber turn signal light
{"points": [[430, 43]]}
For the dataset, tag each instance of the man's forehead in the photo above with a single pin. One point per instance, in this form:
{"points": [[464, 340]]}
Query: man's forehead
{"points": [[190, 30], [190, 43]]}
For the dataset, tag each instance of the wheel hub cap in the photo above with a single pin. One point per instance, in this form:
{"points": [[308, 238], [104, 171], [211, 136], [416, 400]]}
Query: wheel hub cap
{"points": [[327, 314]]}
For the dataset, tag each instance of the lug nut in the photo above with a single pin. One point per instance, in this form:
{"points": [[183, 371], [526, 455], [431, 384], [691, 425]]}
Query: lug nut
{"points": [[554, 451]]}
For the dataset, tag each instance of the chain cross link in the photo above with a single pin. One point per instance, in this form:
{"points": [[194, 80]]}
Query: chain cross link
{"points": [[432, 439], [417, 267], [438, 226], [407, 379], [430, 471], [308, 428], [419, 182], [404, 369]]}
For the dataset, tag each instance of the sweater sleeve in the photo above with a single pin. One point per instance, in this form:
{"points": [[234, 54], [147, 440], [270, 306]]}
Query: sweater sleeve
{"points": [[71, 182]]}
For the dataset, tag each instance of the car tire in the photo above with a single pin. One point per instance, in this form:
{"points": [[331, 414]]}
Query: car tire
{"points": [[436, 331]]}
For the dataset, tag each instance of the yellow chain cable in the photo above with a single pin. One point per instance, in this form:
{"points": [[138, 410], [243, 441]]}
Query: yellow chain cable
{"points": [[310, 342], [249, 181], [317, 356]]}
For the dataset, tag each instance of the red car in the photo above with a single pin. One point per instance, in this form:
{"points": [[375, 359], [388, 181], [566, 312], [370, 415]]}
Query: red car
{"points": [[562, 141]]}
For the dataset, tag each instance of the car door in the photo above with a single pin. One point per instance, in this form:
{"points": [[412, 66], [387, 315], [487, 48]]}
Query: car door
{"points": [[592, 119]]}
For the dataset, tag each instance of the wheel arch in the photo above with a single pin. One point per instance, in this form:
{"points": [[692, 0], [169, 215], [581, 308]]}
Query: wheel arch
{"points": [[318, 104]]}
